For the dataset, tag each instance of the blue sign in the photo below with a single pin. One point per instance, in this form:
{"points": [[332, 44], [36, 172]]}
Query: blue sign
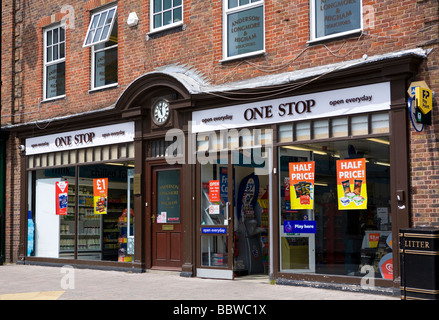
{"points": [[302, 226], [214, 230]]}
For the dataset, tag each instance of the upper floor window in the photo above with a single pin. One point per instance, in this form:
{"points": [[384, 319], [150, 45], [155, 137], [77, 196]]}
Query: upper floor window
{"points": [[166, 13], [335, 18], [244, 28], [54, 62], [102, 38]]}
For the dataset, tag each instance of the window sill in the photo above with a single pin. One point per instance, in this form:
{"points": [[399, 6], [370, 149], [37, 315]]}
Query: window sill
{"points": [[110, 86], [63, 97], [337, 36], [165, 31], [244, 56]]}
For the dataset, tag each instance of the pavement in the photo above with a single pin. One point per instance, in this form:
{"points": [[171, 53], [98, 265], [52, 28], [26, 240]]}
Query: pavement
{"points": [[30, 282]]}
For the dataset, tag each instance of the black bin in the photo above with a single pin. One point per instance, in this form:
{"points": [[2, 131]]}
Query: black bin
{"points": [[419, 254]]}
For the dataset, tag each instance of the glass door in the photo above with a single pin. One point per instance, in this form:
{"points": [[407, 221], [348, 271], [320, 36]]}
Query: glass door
{"points": [[216, 219], [298, 225]]}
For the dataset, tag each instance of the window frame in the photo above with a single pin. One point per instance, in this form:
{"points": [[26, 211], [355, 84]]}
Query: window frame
{"points": [[241, 8], [168, 26], [313, 29], [92, 46], [47, 64], [95, 14]]}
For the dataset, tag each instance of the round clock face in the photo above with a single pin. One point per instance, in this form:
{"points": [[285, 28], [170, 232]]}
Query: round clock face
{"points": [[160, 112]]}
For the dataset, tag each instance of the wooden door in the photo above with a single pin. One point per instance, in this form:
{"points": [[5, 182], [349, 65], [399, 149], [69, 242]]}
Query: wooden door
{"points": [[167, 217]]}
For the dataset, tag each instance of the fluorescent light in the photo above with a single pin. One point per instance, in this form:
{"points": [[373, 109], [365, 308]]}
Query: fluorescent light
{"points": [[382, 141]]}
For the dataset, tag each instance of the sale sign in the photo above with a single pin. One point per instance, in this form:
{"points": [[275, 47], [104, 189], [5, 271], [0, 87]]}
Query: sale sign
{"points": [[100, 192], [214, 190], [351, 184], [61, 193], [301, 176]]}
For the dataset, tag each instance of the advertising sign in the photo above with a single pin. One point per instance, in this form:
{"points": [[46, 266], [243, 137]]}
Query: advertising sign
{"points": [[351, 184], [300, 226], [214, 190], [245, 31], [334, 16], [302, 185], [100, 191], [61, 193]]}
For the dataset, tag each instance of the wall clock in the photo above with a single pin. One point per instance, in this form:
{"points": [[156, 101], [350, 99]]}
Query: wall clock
{"points": [[160, 112]]}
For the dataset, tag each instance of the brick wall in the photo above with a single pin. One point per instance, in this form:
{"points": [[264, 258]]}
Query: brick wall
{"points": [[390, 26]]}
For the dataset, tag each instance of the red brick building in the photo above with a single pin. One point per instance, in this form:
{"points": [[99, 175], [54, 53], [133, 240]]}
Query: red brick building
{"points": [[311, 80]]}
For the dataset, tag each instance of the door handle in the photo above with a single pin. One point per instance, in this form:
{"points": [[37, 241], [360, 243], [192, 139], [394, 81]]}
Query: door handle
{"points": [[153, 218]]}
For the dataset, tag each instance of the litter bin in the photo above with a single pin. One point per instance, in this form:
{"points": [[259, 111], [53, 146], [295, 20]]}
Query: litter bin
{"points": [[419, 254]]}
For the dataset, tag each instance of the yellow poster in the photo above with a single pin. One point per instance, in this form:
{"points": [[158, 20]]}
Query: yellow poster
{"points": [[100, 195], [351, 184], [302, 185]]}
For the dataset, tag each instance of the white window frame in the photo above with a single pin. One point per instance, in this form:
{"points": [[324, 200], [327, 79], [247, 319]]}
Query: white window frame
{"points": [[93, 44], [98, 15], [239, 8], [312, 19], [53, 62], [168, 26]]}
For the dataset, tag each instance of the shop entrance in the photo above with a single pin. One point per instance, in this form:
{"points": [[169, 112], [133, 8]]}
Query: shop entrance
{"points": [[166, 218], [234, 214]]}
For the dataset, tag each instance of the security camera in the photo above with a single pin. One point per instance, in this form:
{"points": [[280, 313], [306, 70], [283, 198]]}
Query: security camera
{"points": [[21, 147]]}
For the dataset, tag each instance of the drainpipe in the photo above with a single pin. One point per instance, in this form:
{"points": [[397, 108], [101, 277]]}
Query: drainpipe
{"points": [[3, 139]]}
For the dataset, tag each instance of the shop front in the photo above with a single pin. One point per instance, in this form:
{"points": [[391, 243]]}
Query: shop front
{"points": [[80, 199], [306, 187]]}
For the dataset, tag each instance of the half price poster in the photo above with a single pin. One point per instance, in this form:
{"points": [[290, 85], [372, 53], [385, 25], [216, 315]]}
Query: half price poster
{"points": [[302, 176], [100, 190], [351, 184]]}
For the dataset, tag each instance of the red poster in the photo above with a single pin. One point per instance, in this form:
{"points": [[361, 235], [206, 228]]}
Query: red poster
{"points": [[100, 187], [214, 190], [61, 190]]}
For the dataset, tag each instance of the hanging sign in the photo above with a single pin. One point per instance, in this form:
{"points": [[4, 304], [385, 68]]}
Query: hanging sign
{"points": [[424, 105], [214, 190], [302, 185], [100, 190], [61, 193], [351, 184]]}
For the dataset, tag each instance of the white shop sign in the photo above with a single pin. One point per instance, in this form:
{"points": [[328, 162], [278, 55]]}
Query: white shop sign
{"points": [[361, 99], [92, 137]]}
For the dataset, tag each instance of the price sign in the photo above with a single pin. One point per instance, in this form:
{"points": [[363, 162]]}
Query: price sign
{"points": [[100, 195]]}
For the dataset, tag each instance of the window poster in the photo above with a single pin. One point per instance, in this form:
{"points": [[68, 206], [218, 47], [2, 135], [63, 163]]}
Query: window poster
{"points": [[351, 184], [61, 193], [335, 16], [168, 196], [302, 184], [100, 192], [245, 31], [214, 190]]}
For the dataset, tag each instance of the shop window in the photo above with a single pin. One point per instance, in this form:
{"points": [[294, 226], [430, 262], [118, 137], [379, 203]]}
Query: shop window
{"points": [[336, 227], [166, 14], [244, 33], [54, 62], [88, 218], [358, 125], [102, 37], [330, 19]]}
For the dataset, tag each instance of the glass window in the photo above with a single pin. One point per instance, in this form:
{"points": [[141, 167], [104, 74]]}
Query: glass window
{"points": [[100, 26], [332, 18], [91, 220], [350, 221], [166, 13], [244, 28], [103, 39], [54, 62]]}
